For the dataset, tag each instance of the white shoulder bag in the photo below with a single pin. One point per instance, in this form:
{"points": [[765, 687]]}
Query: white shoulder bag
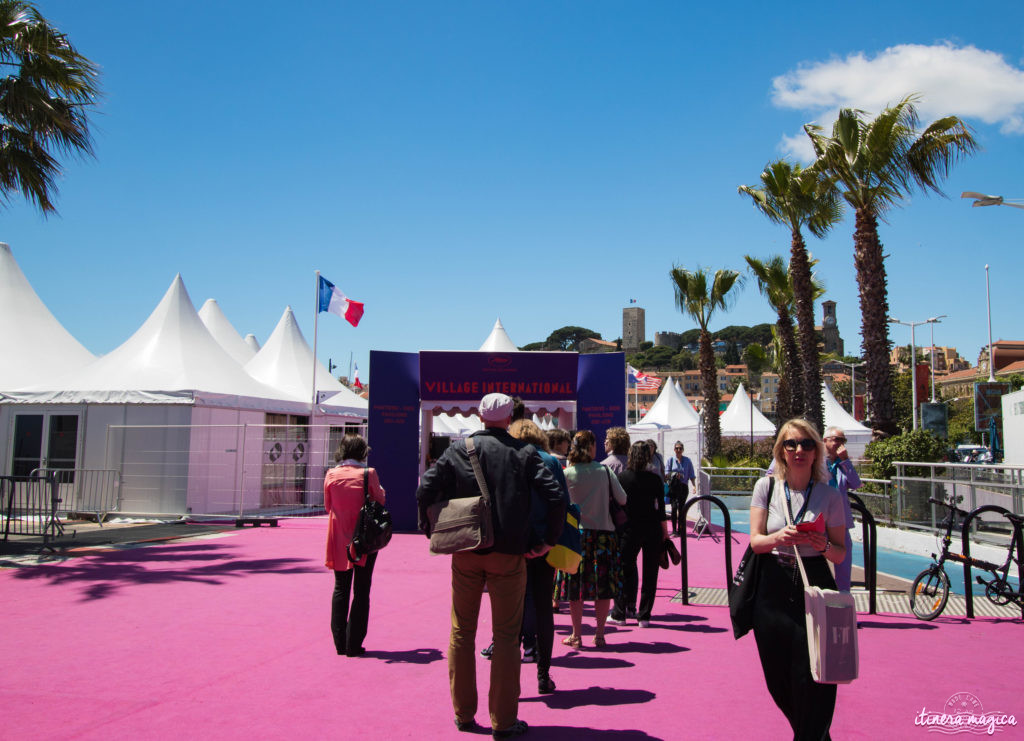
{"points": [[831, 629]]}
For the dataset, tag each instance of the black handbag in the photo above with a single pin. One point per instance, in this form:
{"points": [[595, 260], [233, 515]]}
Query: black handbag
{"points": [[373, 526], [743, 590], [618, 513]]}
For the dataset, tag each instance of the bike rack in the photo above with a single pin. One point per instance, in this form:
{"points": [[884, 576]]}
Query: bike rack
{"points": [[728, 544], [965, 540], [868, 531]]}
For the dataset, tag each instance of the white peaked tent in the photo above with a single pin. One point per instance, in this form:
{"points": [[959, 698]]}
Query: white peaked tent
{"points": [[170, 358], [857, 435], [671, 410], [36, 345], [227, 337], [742, 419], [498, 340], [669, 419], [285, 362], [251, 341]]}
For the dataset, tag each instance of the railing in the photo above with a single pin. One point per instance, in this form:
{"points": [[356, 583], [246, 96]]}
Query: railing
{"points": [[30, 506], [82, 491], [978, 485]]}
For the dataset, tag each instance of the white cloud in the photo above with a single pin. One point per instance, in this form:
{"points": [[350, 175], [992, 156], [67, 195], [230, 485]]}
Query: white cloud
{"points": [[963, 81]]}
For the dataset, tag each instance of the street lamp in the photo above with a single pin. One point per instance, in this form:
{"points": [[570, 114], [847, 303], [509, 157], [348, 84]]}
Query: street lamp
{"points": [[980, 199], [913, 363], [853, 385], [933, 321]]}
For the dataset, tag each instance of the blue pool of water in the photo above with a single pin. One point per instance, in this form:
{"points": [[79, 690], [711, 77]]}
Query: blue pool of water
{"points": [[904, 565]]}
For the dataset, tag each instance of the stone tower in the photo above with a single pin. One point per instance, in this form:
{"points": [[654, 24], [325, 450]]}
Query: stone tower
{"points": [[830, 330], [632, 328]]}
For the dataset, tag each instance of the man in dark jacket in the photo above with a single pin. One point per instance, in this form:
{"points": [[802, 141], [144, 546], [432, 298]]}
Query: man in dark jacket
{"points": [[512, 469]]}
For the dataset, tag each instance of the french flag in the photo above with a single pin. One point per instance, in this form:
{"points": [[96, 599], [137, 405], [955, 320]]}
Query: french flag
{"points": [[335, 302], [355, 377]]}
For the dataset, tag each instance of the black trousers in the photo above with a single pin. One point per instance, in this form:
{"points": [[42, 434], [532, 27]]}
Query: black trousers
{"points": [[781, 634], [538, 618], [349, 627], [648, 539], [677, 491]]}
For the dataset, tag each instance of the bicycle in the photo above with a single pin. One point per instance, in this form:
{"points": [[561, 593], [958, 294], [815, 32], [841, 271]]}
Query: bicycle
{"points": [[930, 591]]}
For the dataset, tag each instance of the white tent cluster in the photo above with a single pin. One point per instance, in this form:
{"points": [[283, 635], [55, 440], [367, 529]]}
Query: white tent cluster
{"points": [[184, 376], [857, 435]]}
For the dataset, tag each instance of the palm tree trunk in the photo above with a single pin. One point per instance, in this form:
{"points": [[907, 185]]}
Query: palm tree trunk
{"points": [[709, 384], [810, 390], [790, 366], [874, 310]]}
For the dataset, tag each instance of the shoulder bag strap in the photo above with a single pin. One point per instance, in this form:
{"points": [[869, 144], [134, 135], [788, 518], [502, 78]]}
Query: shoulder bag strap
{"points": [[475, 462], [366, 485]]}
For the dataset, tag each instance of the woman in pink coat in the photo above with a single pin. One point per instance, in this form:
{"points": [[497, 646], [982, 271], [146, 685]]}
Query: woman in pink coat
{"points": [[343, 497]]}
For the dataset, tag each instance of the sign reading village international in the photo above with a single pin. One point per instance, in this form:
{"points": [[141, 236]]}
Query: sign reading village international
{"points": [[536, 376]]}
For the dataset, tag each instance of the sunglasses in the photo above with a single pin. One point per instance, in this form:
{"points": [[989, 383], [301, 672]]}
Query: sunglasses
{"points": [[805, 444], [840, 440]]}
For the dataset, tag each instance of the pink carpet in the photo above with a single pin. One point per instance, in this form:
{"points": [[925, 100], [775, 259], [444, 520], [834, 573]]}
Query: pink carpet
{"points": [[228, 638]]}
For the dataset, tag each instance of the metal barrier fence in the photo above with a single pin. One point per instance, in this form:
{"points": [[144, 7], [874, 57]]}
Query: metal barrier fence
{"points": [[229, 471], [972, 484], [84, 491], [30, 506]]}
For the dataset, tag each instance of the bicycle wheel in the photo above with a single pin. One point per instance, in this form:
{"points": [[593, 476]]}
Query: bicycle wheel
{"points": [[929, 593]]}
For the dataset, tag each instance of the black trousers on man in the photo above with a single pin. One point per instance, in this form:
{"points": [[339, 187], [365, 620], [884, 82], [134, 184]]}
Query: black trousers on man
{"points": [[648, 539]]}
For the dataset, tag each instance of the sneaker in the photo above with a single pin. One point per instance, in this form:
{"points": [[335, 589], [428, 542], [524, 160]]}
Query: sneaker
{"points": [[616, 620], [516, 729], [486, 653], [645, 623], [530, 655]]}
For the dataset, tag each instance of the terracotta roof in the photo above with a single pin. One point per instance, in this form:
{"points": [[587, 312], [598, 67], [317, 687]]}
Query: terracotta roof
{"points": [[964, 375], [1016, 366], [596, 341]]}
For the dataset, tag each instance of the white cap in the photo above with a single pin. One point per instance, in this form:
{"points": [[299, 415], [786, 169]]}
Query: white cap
{"points": [[495, 407]]}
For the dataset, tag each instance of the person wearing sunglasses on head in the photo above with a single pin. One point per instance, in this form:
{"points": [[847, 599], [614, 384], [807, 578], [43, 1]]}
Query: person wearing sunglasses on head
{"points": [[801, 485], [843, 476]]}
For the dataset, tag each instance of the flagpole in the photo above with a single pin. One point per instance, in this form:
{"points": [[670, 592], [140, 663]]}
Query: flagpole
{"points": [[316, 327]]}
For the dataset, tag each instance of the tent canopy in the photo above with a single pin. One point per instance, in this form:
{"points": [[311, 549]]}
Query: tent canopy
{"points": [[285, 362], [498, 340], [171, 355], [857, 435], [37, 348], [227, 337], [671, 410], [742, 419]]}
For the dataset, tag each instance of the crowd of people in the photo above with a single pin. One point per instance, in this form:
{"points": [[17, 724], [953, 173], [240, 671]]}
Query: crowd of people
{"points": [[619, 505]]}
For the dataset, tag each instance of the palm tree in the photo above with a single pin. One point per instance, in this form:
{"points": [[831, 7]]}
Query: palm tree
{"points": [[774, 284], [875, 164], [700, 301], [43, 101], [800, 197]]}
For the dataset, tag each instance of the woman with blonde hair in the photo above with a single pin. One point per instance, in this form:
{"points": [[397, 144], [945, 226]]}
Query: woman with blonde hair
{"points": [[591, 486], [800, 484]]}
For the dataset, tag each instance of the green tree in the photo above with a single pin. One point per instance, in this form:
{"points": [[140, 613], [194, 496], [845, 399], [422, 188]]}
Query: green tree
{"points": [[755, 358], [877, 163], [44, 99], [796, 198], [569, 338], [684, 361], [841, 390], [773, 282], [699, 299], [732, 354]]}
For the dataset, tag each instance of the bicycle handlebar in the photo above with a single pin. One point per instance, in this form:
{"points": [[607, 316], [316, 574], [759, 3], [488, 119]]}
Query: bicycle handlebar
{"points": [[952, 507]]}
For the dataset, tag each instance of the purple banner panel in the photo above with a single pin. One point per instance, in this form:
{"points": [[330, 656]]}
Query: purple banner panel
{"points": [[602, 398], [532, 376], [394, 432]]}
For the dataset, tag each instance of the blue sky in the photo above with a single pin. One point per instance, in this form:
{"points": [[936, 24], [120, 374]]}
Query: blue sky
{"points": [[449, 163]]}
